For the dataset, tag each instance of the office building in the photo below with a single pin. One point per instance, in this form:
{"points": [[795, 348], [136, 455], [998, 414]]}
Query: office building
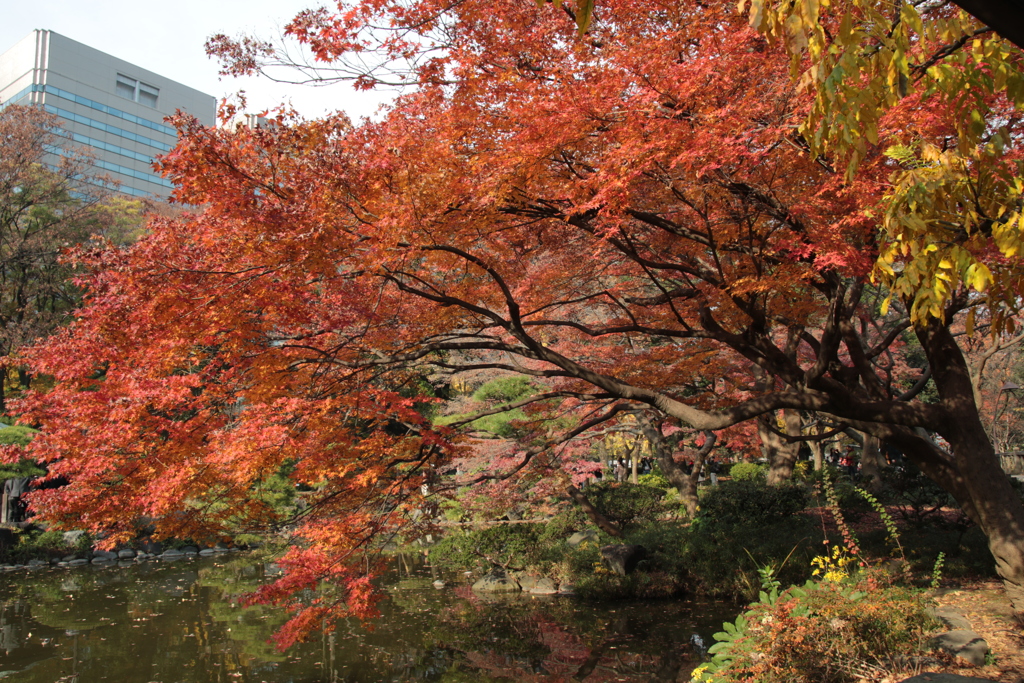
{"points": [[109, 106]]}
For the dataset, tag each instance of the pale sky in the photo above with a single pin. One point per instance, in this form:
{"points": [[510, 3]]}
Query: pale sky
{"points": [[167, 38]]}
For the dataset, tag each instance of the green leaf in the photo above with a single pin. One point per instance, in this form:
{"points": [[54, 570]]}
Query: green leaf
{"points": [[846, 36], [584, 15]]}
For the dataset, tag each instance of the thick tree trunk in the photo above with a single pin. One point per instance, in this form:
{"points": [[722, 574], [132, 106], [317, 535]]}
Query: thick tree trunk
{"points": [[817, 452], [688, 491], [997, 512], [871, 462], [998, 508], [685, 484], [781, 454], [983, 488], [603, 523]]}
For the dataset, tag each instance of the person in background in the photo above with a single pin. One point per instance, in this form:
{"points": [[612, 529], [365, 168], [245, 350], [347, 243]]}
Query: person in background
{"points": [[850, 462], [14, 505]]}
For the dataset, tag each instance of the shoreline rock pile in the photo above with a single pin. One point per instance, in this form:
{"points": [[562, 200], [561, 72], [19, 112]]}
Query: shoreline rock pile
{"points": [[146, 550]]}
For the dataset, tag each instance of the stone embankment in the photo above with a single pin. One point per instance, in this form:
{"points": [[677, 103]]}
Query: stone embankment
{"points": [[146, 550], [500, 581]]}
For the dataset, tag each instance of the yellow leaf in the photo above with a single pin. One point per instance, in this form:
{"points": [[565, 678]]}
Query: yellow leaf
{"points": [[979, 276]]}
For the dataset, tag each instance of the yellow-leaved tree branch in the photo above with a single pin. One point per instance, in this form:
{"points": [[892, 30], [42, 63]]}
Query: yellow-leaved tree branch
{"points": [[952, 217]]}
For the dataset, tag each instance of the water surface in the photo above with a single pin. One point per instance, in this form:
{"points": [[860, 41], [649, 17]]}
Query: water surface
{"points": [[181, 622]]}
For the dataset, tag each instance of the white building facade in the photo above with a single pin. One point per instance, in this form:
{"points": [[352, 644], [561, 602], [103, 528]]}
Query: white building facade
{"points": [[110, 107]]}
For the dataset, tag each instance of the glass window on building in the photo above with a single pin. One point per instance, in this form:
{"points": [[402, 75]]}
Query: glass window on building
{"points": [[137, 91], [126, 87], [148, 94]]}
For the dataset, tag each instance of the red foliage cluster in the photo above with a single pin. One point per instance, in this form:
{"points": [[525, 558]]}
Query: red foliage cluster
{"points": [[630, 218]]}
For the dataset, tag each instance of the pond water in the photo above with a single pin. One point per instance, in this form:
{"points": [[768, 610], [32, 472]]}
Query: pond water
{"points": [[179, 622]]}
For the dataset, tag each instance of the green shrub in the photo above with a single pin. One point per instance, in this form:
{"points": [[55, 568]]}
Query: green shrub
{"points": [[23, 468], [852, 503], [278, 491], [511, 546], [802, 470], [751, 502], [499, 424], [16, 435], [966, 553], [822, 633], [747, 471], [658, 575], [37, 544], [453, 509], [664, 543], [918, 499], [723, 561], [628, 504], [581, 562], [655, 479], [505, 389], [564, 524], [50, 539]]}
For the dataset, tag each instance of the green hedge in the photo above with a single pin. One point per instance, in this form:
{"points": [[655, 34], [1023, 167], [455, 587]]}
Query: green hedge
{"points": [[751, 502]]}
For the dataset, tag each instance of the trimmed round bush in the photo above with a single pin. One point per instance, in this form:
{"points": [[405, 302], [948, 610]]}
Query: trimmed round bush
{"points": [[747, 471]]}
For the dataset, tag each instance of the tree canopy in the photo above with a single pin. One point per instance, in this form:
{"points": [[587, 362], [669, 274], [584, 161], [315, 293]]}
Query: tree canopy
{"points": [[639, 220], [50, 199]]}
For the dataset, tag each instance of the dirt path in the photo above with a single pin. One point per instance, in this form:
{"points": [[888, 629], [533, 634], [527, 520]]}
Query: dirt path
{"points": [[986, 607]]}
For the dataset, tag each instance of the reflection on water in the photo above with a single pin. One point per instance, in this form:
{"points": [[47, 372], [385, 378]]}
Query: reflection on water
{"points": [[181, 623]]}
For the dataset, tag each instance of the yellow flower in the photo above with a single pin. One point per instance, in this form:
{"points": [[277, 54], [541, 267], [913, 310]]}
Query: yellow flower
{"points": [[700, 674]]}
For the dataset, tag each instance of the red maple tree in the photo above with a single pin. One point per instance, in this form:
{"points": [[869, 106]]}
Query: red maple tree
{"points": [[624, 217]]}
